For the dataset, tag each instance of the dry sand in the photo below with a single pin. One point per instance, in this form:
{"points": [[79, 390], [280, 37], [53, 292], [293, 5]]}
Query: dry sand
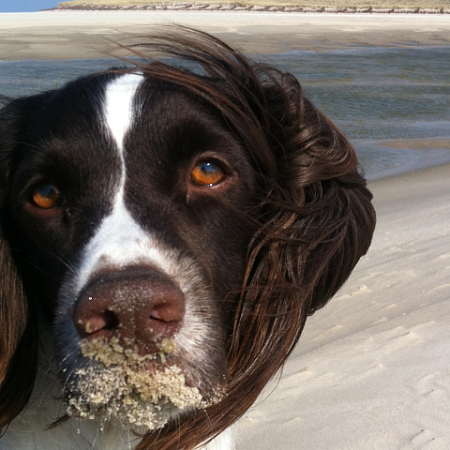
{"points": [[372, 370], [84, 34]]}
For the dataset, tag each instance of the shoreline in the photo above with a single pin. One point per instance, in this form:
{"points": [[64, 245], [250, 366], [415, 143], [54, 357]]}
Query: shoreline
{"points": [[95, 34], [430, 153]]}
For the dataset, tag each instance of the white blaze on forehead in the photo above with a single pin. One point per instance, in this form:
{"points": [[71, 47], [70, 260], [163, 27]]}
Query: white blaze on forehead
{"points": [[119, 100], [120, 240]]}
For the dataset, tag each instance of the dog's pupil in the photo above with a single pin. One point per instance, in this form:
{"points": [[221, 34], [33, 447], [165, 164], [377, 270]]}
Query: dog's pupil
{"points": [[208, 168]]}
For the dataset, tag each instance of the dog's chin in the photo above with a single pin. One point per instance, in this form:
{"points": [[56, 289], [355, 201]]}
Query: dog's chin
{"points": [[145, 392]]}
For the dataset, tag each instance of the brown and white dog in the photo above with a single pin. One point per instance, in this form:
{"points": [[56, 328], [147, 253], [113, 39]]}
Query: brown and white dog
{"points": [[165, 232]]}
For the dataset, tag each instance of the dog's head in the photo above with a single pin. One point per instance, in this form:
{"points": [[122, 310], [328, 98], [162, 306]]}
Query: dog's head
{"points": [[172, 227]]}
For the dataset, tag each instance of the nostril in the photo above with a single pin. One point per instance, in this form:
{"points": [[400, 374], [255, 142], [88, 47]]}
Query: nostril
{"points": [[111, 320], [166, 314], [103, 320], [168, 305], [155, 316]]}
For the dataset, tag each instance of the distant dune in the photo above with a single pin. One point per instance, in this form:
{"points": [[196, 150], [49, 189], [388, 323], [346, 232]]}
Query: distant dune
{"points": [[330, 6]]}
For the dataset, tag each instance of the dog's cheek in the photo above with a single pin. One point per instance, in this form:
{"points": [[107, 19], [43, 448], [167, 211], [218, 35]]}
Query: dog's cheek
{"points": [[220, 238]]}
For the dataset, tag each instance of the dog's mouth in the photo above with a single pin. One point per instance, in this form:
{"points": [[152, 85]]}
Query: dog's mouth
{"points": [[117, 384]]}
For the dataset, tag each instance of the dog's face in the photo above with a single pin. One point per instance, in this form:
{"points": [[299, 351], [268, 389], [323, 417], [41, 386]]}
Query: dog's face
{"points": [[172, 229], [129, 191]]}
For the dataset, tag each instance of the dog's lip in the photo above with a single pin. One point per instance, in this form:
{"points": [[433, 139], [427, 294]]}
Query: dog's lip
{"points": [[146, 394], [112, 351], [107, 354]]}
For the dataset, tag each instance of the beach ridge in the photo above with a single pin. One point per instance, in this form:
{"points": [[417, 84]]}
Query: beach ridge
{"points": [[255, 7]]}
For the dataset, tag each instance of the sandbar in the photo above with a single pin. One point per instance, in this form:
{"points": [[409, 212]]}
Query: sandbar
{"points": [[91, 34]]}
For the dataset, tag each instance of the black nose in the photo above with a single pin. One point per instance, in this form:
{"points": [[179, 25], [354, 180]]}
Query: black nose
{"points": [[139, 307]]}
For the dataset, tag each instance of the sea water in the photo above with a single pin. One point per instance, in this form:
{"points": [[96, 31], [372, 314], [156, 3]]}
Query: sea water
{"points": [[376, 95]]}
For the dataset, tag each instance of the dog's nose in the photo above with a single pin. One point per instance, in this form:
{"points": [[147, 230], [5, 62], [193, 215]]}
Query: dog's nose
{"points": [[138, 307]]}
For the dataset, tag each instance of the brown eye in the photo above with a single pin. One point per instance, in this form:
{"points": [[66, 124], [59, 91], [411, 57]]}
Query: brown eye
{"points": [[207, 174], [46, 196]]}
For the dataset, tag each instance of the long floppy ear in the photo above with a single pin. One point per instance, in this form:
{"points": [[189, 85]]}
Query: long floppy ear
{"points": [[18, 343], [317, 221], [322, 216]]}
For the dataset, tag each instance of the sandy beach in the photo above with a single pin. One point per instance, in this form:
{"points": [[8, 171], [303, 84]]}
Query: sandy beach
{"points": [[372, 369], [88, 34]]}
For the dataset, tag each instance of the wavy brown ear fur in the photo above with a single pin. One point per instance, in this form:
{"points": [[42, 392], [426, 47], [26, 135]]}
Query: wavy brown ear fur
{"points": [[314, 215], [18, 343]]}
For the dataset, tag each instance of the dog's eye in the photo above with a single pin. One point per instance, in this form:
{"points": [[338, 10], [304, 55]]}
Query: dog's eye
{"points": [[46, 196], [207, 174]]}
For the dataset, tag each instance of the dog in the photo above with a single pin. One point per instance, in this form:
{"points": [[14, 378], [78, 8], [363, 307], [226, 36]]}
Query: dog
{"points": [[166, 229]]}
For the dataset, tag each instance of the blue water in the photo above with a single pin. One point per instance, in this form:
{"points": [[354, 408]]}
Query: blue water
{"points": [[374, 95]]}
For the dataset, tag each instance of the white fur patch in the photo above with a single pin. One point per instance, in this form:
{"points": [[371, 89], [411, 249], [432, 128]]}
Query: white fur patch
{"points": [[119, 111]]}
